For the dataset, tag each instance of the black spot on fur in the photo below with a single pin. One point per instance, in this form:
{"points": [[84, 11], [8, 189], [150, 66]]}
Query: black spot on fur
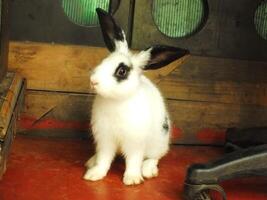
{"points": [[122, 72], [165, 125]]}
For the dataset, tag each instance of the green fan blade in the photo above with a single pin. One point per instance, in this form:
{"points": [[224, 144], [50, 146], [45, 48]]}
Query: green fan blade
{"points": [[178, 18], [82, 12], [260, 20]]}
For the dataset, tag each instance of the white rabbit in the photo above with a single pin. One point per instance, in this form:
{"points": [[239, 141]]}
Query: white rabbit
{"points": [[128, 115]]}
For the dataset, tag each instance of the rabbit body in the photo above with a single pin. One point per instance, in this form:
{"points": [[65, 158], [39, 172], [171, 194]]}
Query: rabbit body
{"points": [[129, 116], [137, 120], [134, 128]]}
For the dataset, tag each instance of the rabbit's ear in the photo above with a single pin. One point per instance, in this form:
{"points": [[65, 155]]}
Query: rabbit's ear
{"points": [[159, 56], [113, 35]]}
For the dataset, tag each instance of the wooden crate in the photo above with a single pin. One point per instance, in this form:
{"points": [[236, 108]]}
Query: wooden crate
{"points": [[12, 90], [205, 95]]}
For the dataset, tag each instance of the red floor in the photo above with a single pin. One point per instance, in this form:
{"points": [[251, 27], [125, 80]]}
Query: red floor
{"points": [[52, 169]]}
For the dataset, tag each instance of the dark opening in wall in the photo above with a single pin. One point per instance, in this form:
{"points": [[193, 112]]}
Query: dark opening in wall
{"points": [[179, 18], [260, 20], [82, 12]]}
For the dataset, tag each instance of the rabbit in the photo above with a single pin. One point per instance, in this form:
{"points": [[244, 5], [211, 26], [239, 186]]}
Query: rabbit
{"points": [[129, 116]]}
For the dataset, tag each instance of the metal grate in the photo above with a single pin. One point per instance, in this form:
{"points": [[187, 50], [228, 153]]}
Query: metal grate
{"points": [[260, 20], [179, 18], [82, 12]]}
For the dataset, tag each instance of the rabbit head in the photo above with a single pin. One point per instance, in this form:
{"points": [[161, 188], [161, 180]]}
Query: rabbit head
{"points": [[119, 74]]}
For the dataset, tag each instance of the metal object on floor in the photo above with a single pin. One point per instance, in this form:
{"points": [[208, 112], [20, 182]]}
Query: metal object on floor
{"points": [[202, 191], [248, 158]]}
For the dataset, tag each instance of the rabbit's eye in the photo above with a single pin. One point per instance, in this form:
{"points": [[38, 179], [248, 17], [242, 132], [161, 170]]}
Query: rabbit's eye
{"points": [[122, 72]]}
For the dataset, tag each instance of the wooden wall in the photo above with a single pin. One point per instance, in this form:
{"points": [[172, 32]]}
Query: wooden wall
{"points": [[205, 95]]}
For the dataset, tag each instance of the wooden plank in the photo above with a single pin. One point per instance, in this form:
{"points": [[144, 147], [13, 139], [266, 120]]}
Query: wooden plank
{"points": [[218, 80], [7, 140], [205, 95], [215, 91], [194, 122], [58, 67], [62, 106], [10, 99], [55, 67], [205, 122], [66, 68], [221, 69]]}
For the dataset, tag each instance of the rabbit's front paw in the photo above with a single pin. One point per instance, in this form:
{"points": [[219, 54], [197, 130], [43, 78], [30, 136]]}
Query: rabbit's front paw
{"points": [[95, 174], [150, 168], [132, 179], [91, 162]]}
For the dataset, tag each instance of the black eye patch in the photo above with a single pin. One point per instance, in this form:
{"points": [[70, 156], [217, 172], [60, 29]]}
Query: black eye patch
{"points": [[122, 72]]}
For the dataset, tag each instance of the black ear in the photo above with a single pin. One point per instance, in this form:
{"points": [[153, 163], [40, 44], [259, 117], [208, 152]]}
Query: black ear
{"points": [[163, 55], [110, 30]]}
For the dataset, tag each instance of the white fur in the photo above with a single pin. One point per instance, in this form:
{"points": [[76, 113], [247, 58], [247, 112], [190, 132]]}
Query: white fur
{"points": [[127, 118]]}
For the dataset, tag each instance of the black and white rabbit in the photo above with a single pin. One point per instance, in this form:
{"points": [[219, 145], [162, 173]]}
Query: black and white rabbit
{"points": [[128, 115]]}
